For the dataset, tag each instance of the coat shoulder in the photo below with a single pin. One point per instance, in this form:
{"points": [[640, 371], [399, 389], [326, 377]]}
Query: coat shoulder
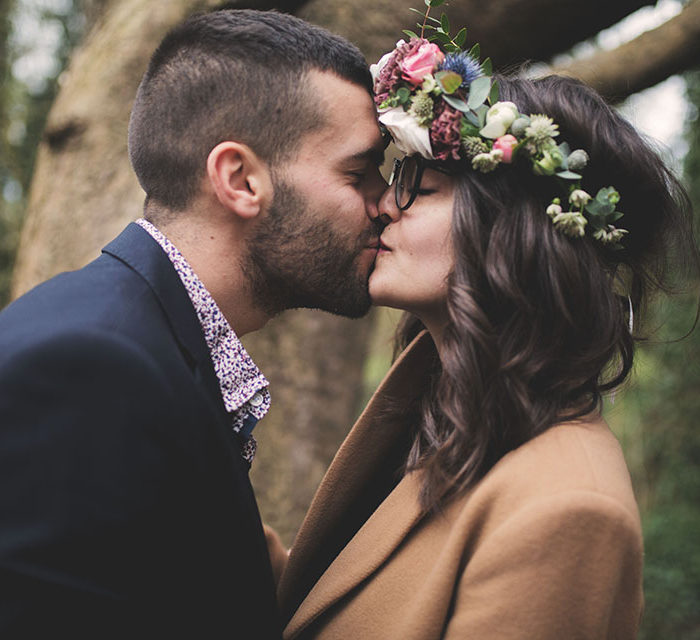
{"points": [[574, 465]]}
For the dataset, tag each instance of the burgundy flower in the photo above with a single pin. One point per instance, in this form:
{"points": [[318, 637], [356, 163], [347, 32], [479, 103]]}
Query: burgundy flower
{"points": [[392, 75], [445, 137]]}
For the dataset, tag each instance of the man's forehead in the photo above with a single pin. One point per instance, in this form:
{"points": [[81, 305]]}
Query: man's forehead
{"points": [[350, 130]]}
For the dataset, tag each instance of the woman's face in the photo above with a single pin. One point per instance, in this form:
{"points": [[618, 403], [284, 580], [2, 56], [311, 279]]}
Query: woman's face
{"points": [[416, 255]]}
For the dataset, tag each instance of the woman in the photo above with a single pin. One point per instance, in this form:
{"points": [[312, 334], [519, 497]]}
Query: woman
{"points": [[481, 494]]}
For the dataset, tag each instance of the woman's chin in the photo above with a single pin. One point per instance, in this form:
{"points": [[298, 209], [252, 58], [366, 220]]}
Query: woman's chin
{"points": [[382, 295]]}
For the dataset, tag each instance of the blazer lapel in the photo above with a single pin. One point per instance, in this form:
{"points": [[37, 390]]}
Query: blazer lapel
{"points": [[140, 252], [360, 512]]}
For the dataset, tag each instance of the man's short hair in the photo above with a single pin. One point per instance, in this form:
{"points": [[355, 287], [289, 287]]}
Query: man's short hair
{"points": [[230, 75]]}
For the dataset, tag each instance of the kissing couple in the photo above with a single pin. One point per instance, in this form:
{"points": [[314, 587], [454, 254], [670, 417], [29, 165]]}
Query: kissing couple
{"points": [[481, 493]]}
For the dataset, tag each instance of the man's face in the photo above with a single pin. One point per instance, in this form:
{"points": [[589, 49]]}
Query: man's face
{"points": [[315, 246]]}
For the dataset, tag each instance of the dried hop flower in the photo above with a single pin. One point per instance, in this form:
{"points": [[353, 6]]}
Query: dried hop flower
{"points": [[473, 146], [579, 198], [609, 234], [554, 210], [572, 223]]}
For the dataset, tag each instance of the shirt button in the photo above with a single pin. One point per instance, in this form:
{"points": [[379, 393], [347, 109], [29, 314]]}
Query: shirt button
{"points": [[256, 400]]}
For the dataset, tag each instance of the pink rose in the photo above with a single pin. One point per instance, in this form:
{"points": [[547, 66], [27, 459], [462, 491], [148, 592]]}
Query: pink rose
{"points": [[506, 144], [419, 64]]}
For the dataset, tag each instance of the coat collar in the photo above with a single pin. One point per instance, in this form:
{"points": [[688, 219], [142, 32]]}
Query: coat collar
{"points": [[339, 531], [140, 252]]}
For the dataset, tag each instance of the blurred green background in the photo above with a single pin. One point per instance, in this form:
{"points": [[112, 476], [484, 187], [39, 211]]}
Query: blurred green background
{"points": [[655, 415]]}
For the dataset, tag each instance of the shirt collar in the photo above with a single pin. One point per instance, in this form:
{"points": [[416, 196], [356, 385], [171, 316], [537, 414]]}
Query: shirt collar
{"points": [[244, 388]]}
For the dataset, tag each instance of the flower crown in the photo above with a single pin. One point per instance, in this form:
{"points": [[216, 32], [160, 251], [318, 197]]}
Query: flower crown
{"points": [[444, 106]]}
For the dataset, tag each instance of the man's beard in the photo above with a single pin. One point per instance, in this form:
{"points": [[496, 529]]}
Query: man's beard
{"points": [[295, 261]]}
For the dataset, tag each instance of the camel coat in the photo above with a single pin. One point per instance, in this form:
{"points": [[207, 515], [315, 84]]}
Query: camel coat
{"points": [[547, 546]]}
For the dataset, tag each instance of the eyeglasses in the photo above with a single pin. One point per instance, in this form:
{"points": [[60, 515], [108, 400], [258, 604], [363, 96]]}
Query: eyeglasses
{"points": [[406, 176]]}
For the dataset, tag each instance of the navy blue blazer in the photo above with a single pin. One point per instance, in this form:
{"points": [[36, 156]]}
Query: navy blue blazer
{"points": [[125, 505]]}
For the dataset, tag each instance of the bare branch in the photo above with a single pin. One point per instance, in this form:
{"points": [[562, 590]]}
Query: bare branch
{"points": [[645, 61]]}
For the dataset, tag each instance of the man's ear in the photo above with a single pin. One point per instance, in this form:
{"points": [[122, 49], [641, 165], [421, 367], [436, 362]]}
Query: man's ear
{"points": [[239, 178]]}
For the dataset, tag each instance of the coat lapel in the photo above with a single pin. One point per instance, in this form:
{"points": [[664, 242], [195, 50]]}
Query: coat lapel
{"points": [[364, 554], [361, 511], [140, 252]]}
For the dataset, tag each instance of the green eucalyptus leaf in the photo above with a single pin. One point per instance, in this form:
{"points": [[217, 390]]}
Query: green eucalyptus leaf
{"points": [[433, 20], [461, 37], [420, 13], [479, 90], [494, 93], [427, 27], [436, 3], [598, 208], [403, 94], [410, 34], [608, 194], [451, 48], [568, 175], [616, 216], [473, 119], [449, 81], [481, 112], [456, 103], [475, 51], [487, 67], [466, 128], [445, 23]]}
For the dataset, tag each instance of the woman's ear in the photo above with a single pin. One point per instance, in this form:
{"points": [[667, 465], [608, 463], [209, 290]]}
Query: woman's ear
{"points": [[239, 178]]}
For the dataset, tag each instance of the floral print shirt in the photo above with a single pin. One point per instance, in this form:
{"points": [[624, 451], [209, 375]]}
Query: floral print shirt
{"points": [[244, 388]]}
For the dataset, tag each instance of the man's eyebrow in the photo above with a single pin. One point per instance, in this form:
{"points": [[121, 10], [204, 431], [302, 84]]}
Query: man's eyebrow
{"points": [[374, 155]]}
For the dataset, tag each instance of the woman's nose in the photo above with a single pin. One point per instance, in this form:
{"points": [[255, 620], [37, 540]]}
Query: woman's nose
{"points": [[388, 211]]}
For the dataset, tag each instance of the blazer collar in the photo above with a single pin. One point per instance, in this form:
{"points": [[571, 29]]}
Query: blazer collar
{"points": [[140, 252], [359, 514]]}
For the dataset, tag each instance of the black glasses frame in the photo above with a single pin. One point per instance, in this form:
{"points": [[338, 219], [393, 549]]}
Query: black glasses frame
{"points": [[421, 165]]}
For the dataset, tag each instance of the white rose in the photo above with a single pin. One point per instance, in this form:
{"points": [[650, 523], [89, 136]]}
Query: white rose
{"points": [[498, 119], [408, 135], [375, 69]]}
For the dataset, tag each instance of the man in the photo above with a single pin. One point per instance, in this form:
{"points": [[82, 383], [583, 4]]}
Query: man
{"points": [[126, 400]]}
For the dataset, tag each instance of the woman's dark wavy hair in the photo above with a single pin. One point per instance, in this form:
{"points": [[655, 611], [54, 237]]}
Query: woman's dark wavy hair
{"points": [[538, 329]]}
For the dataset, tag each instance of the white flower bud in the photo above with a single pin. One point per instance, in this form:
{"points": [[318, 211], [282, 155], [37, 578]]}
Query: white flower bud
{"points": [[553, 210], [579, 198]]}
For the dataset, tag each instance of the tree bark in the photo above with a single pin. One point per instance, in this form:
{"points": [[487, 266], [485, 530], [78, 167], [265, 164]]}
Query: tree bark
{"points": [[645, 61]]}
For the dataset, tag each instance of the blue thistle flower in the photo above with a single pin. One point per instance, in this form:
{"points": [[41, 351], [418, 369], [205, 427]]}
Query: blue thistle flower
{"points": [[463, 64]]}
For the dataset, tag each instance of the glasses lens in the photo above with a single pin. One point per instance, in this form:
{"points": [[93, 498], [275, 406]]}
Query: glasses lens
{"points": [[406, 181]]}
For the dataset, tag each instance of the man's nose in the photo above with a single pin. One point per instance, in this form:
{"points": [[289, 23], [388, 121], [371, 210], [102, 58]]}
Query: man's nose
{"points": [[374, 193]]}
